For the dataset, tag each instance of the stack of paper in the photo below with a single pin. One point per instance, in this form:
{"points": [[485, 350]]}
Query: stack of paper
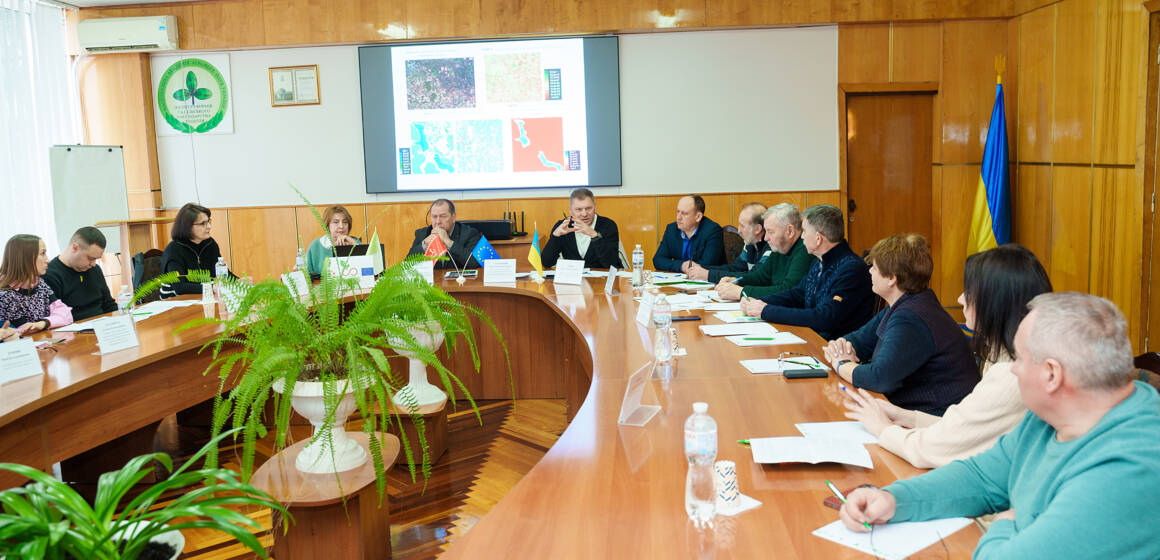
{"points": [[690, 285], [739, 329], [774, 340], [848, 431], [893, 540], [809, 450], [728, 306], [736, 317], [666, 276], [685, 302], [711, 294], [774, 365]]}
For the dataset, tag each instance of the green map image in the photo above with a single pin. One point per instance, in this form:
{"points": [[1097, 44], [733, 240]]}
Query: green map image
{"points": [[472, 146], [513, 78]]}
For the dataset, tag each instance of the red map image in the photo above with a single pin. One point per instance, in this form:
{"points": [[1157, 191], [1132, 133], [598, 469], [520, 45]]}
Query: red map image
{"points": [[538, 144]]}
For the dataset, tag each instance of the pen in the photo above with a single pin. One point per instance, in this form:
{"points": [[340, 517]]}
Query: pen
{"points": [[689, 318], [807, 364], [758, 338], [834, 489], [743, 441], [143, 313]]}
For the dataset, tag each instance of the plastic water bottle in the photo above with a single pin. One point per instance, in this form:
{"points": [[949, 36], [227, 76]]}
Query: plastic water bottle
{"points": [[220, 270], [701, 451], [637, 264], [124, 297], [300, 260], [662, 319]]}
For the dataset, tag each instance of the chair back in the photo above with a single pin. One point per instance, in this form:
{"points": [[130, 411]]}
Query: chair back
{"points": [[734, 244], [1149, 365], [147, 266]]}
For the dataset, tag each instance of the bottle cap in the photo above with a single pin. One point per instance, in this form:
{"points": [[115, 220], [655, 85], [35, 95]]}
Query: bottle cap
{"points": [[700, 407]]}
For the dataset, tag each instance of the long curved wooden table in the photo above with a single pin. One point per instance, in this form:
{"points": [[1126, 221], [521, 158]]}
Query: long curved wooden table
{"points": [[602, 491]]}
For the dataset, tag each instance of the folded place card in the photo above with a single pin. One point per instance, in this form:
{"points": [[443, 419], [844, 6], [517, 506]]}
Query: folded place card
{"points": [[644, 312], [426, 271], [115, 333], [610, 281], [296, 282], [569, 271], [18, 359], [499, 271]]}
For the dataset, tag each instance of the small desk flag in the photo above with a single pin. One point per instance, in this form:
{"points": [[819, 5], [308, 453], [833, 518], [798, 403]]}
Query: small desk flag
{"points": [[435, 248], [484, 251], [534, 252]]}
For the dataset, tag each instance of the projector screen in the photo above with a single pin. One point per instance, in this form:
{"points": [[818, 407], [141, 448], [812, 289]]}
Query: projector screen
{"points": [[491, 115]]}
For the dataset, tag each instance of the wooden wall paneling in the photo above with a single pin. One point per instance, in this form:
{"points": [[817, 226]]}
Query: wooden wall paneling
{"points": [[824, 197], [863, 53], [449, 18], [499, 17], [959, 185], [915, 9], [396, 223], [236, 23], [1011, 85], [543, 213], [1071, 228], [770, 199], [263, 244], [220, 232], [370, 20], [1071, 122], [741, 12], [483, 209], [967, 91], [1031, 212], [636, 221], [1120, 51], [961, 9], [142, 204], [298, 22], [1116, 246], [844, 10], [936, 235], [916, 52], [718, 207], [1036, 84]]}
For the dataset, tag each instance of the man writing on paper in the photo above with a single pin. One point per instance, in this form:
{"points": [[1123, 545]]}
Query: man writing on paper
{"points": [[459, 239], [583, 235], [1077, 477], [834, 298], [693, 237], [755, 251], [785, 266], [77, 279]]}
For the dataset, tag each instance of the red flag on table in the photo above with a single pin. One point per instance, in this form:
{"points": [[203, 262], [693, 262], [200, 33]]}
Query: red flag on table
{"points": [[435, 248]]}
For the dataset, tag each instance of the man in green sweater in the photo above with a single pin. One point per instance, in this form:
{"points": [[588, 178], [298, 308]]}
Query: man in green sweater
{"points": [[1077, 478], [783, 268]]}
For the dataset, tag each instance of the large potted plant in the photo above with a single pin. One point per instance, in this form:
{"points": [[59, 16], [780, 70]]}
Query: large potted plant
{"points": [[49, 519]]}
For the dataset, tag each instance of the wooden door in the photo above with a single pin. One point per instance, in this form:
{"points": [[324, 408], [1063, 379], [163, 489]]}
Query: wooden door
{"points": [[888, 166]]}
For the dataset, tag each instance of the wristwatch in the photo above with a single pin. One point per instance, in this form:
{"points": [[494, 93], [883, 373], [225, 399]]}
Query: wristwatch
{"points": [[842, 363]]}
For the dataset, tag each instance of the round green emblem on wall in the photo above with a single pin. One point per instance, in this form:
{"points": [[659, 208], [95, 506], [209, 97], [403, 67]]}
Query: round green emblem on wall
{"points": [[192, 96]]}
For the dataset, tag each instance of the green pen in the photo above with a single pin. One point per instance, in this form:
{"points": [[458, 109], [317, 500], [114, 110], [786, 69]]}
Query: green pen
{"points": [[807, 364], [143, 313], [743, 441], [834, 489], [757, 338]]}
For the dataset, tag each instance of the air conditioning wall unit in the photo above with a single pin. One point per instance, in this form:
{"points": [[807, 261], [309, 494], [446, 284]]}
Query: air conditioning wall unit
{"points": [[128, 34]]}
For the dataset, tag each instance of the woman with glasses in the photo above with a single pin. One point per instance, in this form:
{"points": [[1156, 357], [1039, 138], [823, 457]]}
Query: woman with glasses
{"points": [[997, 285], [192, 248]]}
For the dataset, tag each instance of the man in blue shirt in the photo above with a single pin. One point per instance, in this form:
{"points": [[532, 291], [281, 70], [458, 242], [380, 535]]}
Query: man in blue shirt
{"points": [[693, 237], [1077, 477]]}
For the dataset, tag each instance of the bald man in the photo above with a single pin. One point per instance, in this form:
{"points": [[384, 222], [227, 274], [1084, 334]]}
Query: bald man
{"points": [[691, 238]]}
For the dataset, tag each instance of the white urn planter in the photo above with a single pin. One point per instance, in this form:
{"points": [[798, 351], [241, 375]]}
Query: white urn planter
{"points": [[429, 335], [308, 400]]}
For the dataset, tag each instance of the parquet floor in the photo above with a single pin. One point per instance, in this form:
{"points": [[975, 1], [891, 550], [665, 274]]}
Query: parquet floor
{"points": [[483, 461]]}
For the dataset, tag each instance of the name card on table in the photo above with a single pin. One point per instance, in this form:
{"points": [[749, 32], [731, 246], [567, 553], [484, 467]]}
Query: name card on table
{"points": [[295, 281], [569, 271], [499, 271], [644, 312], [632, 412], [18, 360], [610, 282], [115, 333], [426, 271]]}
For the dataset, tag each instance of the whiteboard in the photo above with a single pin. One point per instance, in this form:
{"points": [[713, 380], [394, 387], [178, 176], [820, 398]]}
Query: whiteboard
{"points": [[88, 186]]}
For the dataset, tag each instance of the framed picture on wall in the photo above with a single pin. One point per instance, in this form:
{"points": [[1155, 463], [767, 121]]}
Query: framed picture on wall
{"points": [[294, 85]]}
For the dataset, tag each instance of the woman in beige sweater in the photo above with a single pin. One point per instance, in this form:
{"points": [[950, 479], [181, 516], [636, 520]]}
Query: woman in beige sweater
{"points": [[997, 284]]}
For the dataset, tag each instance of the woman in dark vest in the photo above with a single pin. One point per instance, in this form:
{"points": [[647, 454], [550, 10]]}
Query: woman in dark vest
{"points": [[912, 352], [192, 248]]}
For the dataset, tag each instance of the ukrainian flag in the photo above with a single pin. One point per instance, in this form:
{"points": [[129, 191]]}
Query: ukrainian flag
{"points": [[534, 252], [991, 222]]}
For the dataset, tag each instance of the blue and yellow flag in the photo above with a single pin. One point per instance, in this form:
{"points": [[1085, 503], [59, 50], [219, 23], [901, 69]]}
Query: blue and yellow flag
{"points": [[991, 221], [534, 252], [484, 251]]}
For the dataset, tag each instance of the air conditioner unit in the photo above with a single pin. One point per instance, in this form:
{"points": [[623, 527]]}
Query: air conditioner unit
{"points": [[128, 34]]}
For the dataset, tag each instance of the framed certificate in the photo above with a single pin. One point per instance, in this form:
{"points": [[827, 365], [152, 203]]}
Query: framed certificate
{"points": [[294, 85]]}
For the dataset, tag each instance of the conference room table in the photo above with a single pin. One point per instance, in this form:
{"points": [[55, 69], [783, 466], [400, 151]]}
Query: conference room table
{"points": [[602, 490]]}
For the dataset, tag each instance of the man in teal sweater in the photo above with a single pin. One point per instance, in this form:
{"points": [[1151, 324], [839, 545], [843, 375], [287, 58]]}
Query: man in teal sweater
{"points": [[1078, 477], [785, 266]]}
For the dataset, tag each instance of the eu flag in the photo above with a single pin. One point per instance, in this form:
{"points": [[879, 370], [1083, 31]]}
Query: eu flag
{"points": [[991, 220], [484, 251]]}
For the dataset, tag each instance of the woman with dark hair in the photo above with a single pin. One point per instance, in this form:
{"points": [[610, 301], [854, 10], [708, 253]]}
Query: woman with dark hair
{"points": [[997, 285], [339, 224], [192, 248], [912, 352], [26, 301]]}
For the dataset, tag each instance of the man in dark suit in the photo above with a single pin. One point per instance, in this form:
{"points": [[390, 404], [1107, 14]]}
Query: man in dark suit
{"points": [[583, 235], [459, 239], [692, 238]]}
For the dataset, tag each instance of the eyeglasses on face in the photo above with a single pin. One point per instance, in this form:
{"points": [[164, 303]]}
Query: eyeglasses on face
{"points": [[206, 223]]}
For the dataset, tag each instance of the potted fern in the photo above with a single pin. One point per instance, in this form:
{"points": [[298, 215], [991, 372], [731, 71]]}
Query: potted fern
{"points": [[48, 519]]}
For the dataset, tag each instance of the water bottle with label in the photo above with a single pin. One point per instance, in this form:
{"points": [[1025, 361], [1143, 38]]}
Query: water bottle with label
{"points": [[701, 451], [662, 319], [637, 264], [124, 298], [300, 261], [220, 270]]}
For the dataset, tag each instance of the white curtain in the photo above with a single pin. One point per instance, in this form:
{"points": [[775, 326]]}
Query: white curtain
{"points": [[37, 110]]}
